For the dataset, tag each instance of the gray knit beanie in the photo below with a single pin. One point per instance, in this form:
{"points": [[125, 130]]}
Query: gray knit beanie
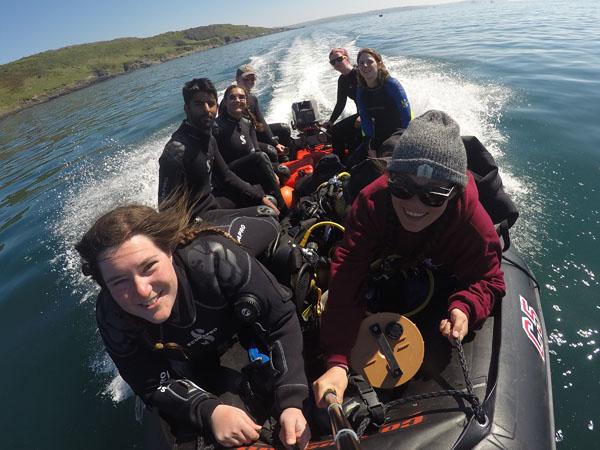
{"points": [[431, 147]]}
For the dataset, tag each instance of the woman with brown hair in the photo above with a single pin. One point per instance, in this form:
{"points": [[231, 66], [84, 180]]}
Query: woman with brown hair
{"points": [[172, 299], [381, 100], [236, 138]]}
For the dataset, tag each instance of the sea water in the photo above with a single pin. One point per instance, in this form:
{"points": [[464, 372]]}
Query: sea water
{"points": [[520, 75]]}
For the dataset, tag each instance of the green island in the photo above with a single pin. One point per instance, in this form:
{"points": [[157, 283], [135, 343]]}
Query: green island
{"points": [[44, 76]]}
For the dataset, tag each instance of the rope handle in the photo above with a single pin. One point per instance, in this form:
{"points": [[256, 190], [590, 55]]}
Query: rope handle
{"points": [[469, 396], [474, 400]]}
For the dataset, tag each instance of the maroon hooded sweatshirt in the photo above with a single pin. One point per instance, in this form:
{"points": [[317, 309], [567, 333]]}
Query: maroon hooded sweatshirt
{"points": [[468, 248]]}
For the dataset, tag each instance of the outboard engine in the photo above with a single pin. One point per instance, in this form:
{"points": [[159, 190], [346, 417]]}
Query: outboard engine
{"points": [[305, 115]]}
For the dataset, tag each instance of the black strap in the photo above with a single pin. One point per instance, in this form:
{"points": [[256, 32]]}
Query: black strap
{"points": [[369, 397], [502, 230]]}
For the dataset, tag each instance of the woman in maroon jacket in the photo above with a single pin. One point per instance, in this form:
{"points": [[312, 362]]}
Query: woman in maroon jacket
{"points": [[426, 211]]}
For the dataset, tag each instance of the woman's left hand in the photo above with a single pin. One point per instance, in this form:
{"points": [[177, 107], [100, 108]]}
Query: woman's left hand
{"points": [[456, 327], [294, 429]]}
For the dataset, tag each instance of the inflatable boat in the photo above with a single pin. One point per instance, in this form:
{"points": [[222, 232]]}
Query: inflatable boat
{"points": [[508, 369], [507, 366], [493, 390]]}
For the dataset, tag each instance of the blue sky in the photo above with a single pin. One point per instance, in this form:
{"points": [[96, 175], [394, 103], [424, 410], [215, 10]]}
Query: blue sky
{"points": [[32, 26]]}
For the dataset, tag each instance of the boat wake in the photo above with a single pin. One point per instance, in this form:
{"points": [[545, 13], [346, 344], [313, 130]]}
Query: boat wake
{"points": [[127, 175]]}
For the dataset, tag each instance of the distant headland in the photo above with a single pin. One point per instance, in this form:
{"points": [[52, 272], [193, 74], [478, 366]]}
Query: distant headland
{"points": [[50, 74]]}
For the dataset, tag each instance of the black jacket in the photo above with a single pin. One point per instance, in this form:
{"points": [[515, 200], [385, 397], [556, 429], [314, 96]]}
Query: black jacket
{"points": [[213, 273], [192, 158], [347, 86]]}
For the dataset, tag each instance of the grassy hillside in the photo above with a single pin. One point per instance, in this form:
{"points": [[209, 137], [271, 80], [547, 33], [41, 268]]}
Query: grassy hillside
{"points": [[46, 75]]}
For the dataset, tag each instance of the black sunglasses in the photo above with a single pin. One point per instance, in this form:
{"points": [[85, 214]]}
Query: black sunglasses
{"points": [[334, 61], [430, 196]]}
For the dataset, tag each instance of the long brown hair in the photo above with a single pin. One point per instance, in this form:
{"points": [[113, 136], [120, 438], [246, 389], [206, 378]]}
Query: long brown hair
{"points": [[171, 227], [247, 113], [382, 72]]}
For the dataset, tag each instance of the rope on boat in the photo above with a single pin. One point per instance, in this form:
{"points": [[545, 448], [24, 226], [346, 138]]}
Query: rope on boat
{"points": [[524, 270], [469, 396], [475, 403]]}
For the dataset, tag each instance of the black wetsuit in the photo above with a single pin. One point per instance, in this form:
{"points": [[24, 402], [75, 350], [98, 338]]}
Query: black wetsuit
{"points": [[347, 86], [273, 134], [214, 275], [343, 134], [236, 138], [192, 158], [239, 147]]}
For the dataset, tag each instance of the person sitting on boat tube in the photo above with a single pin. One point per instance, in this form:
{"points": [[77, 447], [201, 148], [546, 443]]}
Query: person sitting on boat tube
{"points": [[172, 299], [191, 159], [236, 138], [381, 100], [275, 134], [345, 133], [423, 212]]}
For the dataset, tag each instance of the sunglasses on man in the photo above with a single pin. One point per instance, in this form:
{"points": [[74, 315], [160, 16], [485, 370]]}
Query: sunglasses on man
{"points": [[404, 189], [337, 60]]}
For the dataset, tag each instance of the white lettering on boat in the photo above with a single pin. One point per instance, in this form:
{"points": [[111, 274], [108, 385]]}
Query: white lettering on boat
{"points": [[532, 326]]}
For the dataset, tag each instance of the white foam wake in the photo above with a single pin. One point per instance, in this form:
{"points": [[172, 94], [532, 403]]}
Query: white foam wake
{"points": [[299, 71], [129, 175]]}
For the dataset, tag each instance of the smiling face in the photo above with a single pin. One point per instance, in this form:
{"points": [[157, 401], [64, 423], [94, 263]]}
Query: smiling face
{"points": [[247, 81], [201, 110], [368, 68], [236, 102], [141, 278], [340, 62], [413, 214]]}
